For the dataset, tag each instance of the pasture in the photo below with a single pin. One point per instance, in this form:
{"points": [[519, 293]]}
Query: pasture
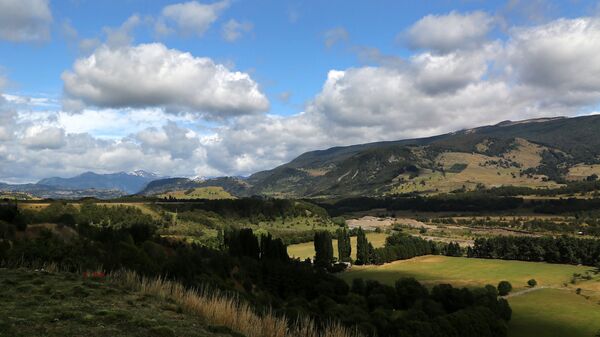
{"points": [[464, 272], [554, 313], [552, 310]]}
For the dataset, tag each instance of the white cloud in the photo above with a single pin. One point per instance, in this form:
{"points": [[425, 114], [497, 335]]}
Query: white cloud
{"points": [[545, 70], [190, 18], [39, 138], [561, 55], [25, 20], [150, 75], [233, 30], [335, 35], [445, 33], [180, 143], [122, 35]]}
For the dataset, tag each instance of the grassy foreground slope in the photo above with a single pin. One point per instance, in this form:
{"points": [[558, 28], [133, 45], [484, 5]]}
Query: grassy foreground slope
{"points": [[56, 304], [307, 249]]}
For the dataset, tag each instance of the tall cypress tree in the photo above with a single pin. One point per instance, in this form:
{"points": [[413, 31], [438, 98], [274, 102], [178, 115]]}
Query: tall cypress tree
{"points": [[362, 247], [344, 246], [323, 248]]}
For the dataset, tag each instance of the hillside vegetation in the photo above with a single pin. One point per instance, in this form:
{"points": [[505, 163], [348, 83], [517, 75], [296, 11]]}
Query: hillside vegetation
{"points": [[209, 193]]}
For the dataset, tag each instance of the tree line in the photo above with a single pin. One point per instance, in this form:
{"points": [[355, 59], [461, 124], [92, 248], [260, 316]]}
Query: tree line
{"points": [[398, 246], [562, 249]]}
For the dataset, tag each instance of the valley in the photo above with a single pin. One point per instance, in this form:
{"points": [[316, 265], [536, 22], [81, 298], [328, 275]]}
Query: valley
{"points": [[372, 239]]}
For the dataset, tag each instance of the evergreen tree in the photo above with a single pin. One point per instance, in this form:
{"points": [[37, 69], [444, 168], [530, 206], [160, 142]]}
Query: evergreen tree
{"points": [[362, 247], [344, 246], [323, 248]]}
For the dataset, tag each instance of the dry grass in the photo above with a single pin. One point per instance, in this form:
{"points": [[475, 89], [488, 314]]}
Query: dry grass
{"points": [[582, 171], [220, 309], [479, 170]]}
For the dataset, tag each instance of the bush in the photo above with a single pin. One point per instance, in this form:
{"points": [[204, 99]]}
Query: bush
{"points": [[532, 283], [504, 287]]}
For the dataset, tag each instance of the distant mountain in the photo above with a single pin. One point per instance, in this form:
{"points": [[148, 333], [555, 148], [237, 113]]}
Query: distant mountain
{"points": [[52, 192], [129, 183]]}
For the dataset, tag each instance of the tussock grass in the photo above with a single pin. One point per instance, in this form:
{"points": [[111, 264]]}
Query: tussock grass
{"points": [[220, 309]]}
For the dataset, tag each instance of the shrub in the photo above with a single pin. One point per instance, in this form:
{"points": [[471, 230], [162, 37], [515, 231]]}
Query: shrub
{"points": [[504, 287], [532, 283]]}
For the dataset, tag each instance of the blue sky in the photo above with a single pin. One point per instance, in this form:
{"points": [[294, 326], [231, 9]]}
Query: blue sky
{"points": [[284, 52], [299, 75]]}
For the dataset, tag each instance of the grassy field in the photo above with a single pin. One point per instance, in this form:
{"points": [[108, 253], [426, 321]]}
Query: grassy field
{"points": [[554, 313], [211, 193], [57, 305], [582, 171], [307, 249], [462, 271]]}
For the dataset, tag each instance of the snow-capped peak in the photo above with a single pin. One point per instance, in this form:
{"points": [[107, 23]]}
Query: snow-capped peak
{"points": [[143, 174]]}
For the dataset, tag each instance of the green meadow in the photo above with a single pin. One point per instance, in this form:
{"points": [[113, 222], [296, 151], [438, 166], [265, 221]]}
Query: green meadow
{"points": [[553, 310]]}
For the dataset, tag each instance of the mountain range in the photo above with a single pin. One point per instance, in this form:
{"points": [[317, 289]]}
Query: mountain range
{"points": [[536, 153], [88, 184]]}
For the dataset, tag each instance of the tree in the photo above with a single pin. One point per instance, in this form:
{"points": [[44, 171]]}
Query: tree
{"points": [[504, 287], [362, 247], [344, 246], [532, 283], [323, 248], [242, 242]]}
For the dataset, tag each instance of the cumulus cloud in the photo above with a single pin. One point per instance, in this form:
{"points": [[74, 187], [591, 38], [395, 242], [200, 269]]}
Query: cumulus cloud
{"points": [[233, 30], [177, 141], [190, 18], [122, 36], [561, 55], [445, 33], [539, 71], [25, 20], [151, 75], [39, 138], [335, 35]]}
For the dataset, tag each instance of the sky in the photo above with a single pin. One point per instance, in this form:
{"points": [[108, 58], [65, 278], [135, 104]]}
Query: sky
{"points": [[231, 87]]}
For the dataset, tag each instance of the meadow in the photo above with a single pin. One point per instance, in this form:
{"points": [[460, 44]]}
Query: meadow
{"points": [[307, 249], [553, 310], [554, 313], [206, 193], [462, 271]]}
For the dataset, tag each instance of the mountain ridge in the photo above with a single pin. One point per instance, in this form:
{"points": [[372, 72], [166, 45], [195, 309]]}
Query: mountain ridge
{"points": [[538, 153]]}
